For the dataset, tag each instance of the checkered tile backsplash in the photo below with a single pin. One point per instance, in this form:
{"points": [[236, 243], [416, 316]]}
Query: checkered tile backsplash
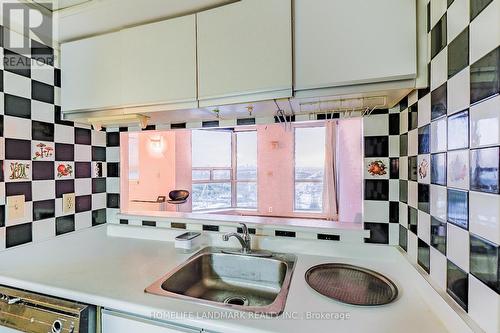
{"points": [[44, 158], [433, 164]]}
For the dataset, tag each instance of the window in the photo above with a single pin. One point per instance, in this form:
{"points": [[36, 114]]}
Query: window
{"points": [[224, 169], [309, 168]]}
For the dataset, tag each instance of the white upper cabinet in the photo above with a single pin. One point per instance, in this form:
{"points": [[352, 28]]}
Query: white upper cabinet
{"points": [[245, 52], [159, 63], [90, 73], [353, 42]]}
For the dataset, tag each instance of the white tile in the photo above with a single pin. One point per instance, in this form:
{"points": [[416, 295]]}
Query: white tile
{"points": [[457, 246], [17, 85], [98, 201], [438, 8], [439, 135], [2, 193], [59, 208], [412, 247], [2, 108], [44, 229], [112, 218], [403, 214], [83, 153], [403, 168], [64, 134], [485, 123], [484, 215], [2, 237], [413, 142], [413, 97], [113, 185], [17, 128], [376, 168], [484, 305], [413, 194], [438, 268], [403, 121], [83, 186], [83, 220], [439, 69], [457, 18], [43, 190], [393, 145], [113, 154], [424, 110], [438, 200], [42, 72], [424, 226], [28, 215], [17, 171], [42, 111], [393, 234], [487, 23], [459, 91], [98, 138], [376, 211], [393, 189], [2, 149], [457, 170], [424, 169]]}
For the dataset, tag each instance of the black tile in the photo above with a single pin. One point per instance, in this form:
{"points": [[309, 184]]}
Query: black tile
{"points": [[413, 219], [328, 237], [44, 209], [423, 197], [59, 117], [449, 2], [281, 119], [423, 92], [458, 53], [413, 117], [98, 217], [403, 191], [16, 63], [17, 106], [113, 139], [394, 168], [485, 262], [83, 203], [428, 10], [123, 129], [379, 233], [113, 169], [403, 237], [83, 169], [376, 189], [65, 224], [1, 124], [210, 227], [57, 77], [403, 145], [178, 225], [438, 169], [2, 177], [212, 123], [43, 170], [17, 149], [149, 223], [64, 152], [284, 233], [113, 200], [477, 6], [458, 208], [394, 212], [438, 235], [123, 221], [42, 131], [18, 235], [394, 124], [485, 76], [150, 128], [424, 255], [2, 216], [457, 284], [64, 186], [458, 131], [246, 121], [380, 111], [403, 103], [178, 126], [83, 136], [485, 170], [413, 168], [42, 92], [424, 140], [439, 103], [438, 36], [41, 53], [19, 188], [98, 185], [377, 146], [99, 154]]}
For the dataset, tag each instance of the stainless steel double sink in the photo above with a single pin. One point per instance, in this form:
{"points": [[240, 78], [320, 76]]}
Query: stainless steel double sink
{"points": [[237, 281]]}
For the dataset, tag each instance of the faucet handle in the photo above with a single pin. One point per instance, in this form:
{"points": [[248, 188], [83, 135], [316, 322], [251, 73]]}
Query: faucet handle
{"points": [[244, 228]]}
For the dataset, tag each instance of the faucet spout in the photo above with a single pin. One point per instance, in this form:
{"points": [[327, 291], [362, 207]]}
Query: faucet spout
{"points": [[244, 238]]}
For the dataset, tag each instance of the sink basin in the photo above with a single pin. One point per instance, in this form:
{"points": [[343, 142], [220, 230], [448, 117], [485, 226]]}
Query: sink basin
{"points": [[235, 281]]}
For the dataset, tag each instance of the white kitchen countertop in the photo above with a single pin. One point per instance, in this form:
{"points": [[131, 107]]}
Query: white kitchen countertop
{"points": [[104, 266]]}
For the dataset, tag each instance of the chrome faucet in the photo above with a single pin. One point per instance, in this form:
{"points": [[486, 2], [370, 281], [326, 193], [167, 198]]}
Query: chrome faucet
{"points": [[244, 238]]}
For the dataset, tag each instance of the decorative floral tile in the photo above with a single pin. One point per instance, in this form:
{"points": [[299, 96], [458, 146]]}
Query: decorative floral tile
{"points": [[17, 171], [64, 170], [42, 151], [98, 169], [458, 169], [377, 168], [424, 169]]}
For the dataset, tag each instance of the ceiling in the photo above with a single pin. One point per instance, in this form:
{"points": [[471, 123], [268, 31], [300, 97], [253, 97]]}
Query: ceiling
{"points": [[82, 18], [55, 5]]}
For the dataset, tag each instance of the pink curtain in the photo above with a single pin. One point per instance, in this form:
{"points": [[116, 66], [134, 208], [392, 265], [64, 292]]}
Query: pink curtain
{"points": [[330, 203]]}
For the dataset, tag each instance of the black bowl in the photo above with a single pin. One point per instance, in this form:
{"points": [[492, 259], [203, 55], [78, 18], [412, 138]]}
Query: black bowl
{"points": [[178, 195]]}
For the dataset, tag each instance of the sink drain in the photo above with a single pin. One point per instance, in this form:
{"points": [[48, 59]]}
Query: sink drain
{"points": [[236, 300]]}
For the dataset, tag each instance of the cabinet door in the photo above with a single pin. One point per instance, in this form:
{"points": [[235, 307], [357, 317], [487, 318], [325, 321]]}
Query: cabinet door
{"points": [[159, 63], [90, 73], [115, 322], [340, 43], [245, 52]]}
